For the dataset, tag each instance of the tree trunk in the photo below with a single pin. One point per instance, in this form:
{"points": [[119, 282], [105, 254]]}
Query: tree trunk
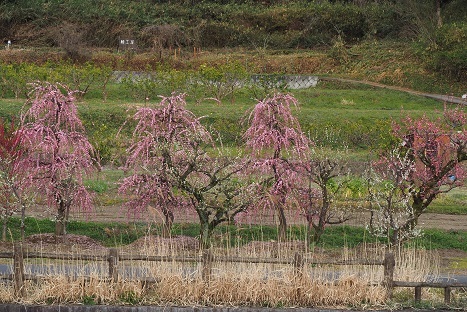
{"points": [[60, 223], [4, 227], [60, 228], [169, 220], [313, 234], [438, 14], [207, 265], [418, 207], [318, 231], [394, 237], [309, 229], [279, 206], [167, 230], [282, 235], [23, 217], [314, 231], [205, 236]]}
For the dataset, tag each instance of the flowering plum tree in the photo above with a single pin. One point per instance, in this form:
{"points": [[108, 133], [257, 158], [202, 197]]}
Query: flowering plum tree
{"points": [[56, 152], [216, 188], [390, 196], [276, 138], [172, 168], [427, 163], [322, 179], [157, 130], [10, 177]]}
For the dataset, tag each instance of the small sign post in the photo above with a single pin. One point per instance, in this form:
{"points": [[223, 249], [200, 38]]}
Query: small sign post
{"points": [[126, 44], [8, 44]]}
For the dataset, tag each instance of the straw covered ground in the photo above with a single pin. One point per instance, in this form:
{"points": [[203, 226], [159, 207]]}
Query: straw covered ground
{"points": [[231, 284]]}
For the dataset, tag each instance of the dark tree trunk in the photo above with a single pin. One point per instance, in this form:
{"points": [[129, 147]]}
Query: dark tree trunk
{"points": [[23, 217], [169, 220], [60, 223], [438, 14], [4, 227], [282, 235], [205, 229], [318, 231], [60, 228], [205, 236]]}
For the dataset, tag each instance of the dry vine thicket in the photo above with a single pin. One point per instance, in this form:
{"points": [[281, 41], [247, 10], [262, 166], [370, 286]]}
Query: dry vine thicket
{"points": [[232, 284]]}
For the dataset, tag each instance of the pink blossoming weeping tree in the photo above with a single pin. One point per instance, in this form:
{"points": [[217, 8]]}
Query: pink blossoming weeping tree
{"points": [[427, 163], [56, 152], [276, 140], [11, 198], [161, 133], [172, 169]]}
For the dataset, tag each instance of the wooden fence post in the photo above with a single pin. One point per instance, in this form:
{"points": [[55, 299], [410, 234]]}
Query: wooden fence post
{"points": [[447, 295], [113, 263], [18, 265], [207, 265], [389, 264], [418, 294], [298, 264]]}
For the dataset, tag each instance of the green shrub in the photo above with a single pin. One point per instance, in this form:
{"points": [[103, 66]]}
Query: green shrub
{"points": [[449, 56], [219, 82], [143, 86], [98, 185], [105, 130], [15, 78], [219, 34], [383, 20], [130, 297], [89, 300], [84, 78]]}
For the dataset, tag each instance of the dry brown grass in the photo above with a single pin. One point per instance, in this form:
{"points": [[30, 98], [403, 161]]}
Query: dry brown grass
{"points": [[251, 289], [416, 265], [60, 289], [231, 283]]}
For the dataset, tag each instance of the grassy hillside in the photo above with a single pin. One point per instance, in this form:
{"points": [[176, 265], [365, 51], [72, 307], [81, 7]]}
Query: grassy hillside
{"points": [[225, 23], [395, 42], [256, 24]]}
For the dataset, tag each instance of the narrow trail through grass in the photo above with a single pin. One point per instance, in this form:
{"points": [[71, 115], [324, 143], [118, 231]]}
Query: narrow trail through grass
{"points": [[445, 98]]}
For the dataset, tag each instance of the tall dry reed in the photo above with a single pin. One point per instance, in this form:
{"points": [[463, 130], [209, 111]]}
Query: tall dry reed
{"points": [[230, 283]]}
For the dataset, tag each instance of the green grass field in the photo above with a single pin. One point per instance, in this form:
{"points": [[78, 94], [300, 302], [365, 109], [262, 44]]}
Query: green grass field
{"points": [[232, 236], [333, 114]]}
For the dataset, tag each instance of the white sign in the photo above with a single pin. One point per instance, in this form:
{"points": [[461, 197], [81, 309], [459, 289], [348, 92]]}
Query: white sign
{"points": [[126, 44]]}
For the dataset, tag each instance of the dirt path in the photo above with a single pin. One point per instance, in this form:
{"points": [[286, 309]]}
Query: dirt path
{"points": [[117, 214], [428, 221], [439, 97]]}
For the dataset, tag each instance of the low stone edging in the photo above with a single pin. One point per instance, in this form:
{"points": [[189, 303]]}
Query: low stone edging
{"points": [[105, 308]]}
